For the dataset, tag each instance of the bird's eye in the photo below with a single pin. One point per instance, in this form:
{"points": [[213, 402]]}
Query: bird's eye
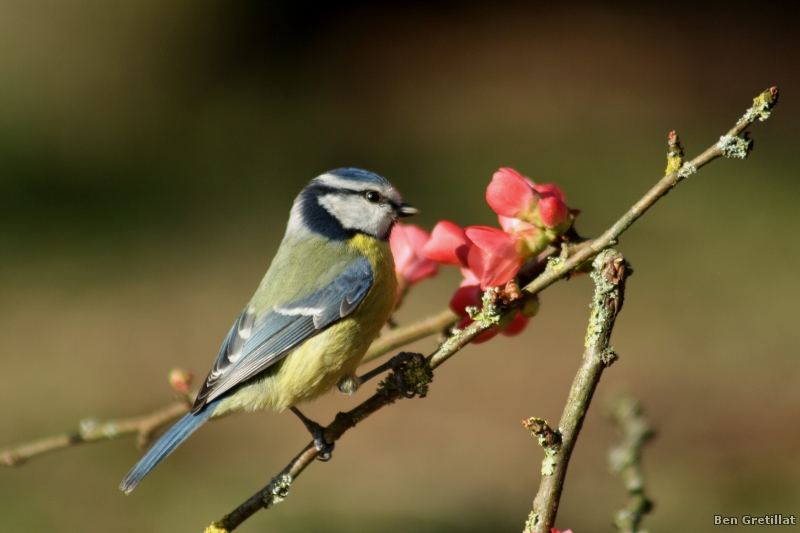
{"points": [[372, 196]]}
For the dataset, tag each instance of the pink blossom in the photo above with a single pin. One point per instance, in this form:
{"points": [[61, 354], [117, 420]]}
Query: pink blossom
{"points": [[448, 244], [494, 259], [515, 197], [407, 242], [509, 194], [492, 256]]}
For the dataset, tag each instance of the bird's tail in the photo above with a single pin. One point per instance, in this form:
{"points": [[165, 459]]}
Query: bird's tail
{"points": [[170, 440]]}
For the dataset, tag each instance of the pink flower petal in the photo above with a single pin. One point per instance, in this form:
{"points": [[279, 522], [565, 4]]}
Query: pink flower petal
{"points": [[552, 211], [469, 278], [550, 189], [406, 242], [509, 193], [448, 244], [402, 250], [492, 270], [495, 241], [516, 226]]}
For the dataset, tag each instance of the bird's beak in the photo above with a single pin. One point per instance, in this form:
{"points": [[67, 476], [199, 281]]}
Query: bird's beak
{"points": [[406, 210]]}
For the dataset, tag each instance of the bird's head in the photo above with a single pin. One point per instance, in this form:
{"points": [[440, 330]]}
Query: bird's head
{"points": [[346, 201]]}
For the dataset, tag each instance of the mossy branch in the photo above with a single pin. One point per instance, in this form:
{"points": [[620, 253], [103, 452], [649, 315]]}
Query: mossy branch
{"points": [[609, 274]]}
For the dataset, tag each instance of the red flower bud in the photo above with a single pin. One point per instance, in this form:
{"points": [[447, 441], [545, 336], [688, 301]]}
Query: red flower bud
{"points": [[550, 189], [552, 211], [180, 380]]}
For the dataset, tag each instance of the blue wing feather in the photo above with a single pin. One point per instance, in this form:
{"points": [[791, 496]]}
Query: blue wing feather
{"points": [[253, 345]]}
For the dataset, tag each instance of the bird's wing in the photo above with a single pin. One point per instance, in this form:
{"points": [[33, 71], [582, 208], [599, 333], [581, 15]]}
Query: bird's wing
{"points": [[253, 344]]}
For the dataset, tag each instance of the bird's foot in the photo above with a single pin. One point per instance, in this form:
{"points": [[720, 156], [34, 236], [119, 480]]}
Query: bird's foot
{"points": [[324, 447]]}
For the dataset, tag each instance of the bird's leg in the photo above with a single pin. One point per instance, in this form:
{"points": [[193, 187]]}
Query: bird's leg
{"points": [[324, 447], [395, 363]]}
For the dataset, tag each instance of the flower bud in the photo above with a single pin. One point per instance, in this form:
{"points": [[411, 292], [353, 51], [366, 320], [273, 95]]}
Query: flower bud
{"points": [[552, 211], [180, 380]]}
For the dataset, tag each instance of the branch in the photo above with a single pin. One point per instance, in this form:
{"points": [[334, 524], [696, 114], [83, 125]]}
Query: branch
{"points": [[625, 459], [417, 374], [729, 145], [399, 337], [91, 430], [610, 272], [145, 426]]}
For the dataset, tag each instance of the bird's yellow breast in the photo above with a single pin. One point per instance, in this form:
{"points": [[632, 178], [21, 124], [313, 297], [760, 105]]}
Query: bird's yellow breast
{"points": [[324, 360]]}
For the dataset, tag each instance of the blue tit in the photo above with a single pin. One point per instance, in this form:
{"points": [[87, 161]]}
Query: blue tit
{"points": [[328, 292]]}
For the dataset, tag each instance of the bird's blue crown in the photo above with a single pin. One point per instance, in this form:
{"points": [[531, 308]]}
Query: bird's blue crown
{"points": [[359, 175]]}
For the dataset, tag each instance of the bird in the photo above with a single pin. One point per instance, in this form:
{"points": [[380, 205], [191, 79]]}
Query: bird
{"points": [[329, 290]]}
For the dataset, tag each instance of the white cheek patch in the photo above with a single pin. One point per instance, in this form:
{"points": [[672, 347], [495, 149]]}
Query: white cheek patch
{"points": [[346, 209], [356, 213]]}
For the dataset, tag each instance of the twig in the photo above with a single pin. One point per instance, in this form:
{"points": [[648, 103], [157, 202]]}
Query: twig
{"points": [[761, 109], [625, 459], [610, 272], [417, 375], [91, 430], [401, 336], [145, 426]]}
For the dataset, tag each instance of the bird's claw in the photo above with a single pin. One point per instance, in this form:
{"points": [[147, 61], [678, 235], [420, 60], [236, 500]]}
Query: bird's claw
{"points": [[324, 447]]}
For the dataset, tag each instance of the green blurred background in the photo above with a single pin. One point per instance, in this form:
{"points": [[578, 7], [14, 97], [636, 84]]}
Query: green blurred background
{"points": [[149, 154]]}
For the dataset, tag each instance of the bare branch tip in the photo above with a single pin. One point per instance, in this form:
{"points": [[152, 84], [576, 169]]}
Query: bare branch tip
{"points": [[762, 107], [674, 154]]}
